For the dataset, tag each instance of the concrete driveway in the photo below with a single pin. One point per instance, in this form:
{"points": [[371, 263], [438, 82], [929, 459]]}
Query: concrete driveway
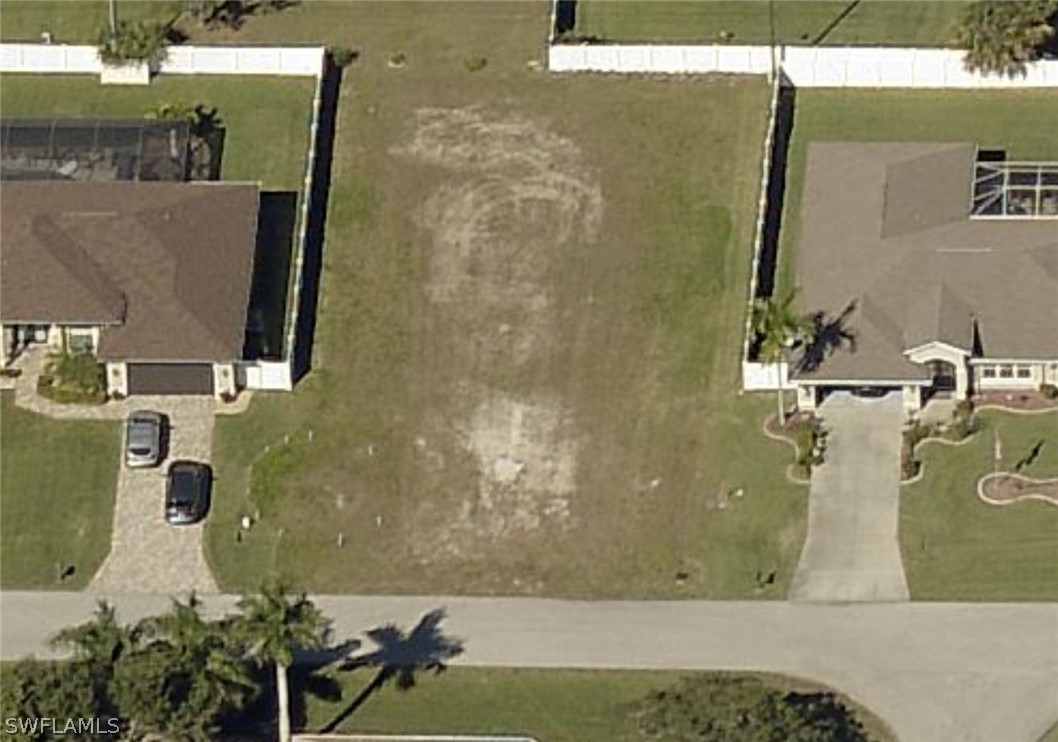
{"points": [[146, 554], [852, 552]]}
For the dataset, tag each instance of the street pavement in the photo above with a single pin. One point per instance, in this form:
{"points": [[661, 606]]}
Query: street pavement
{"points": [[852, 550], [935, 672]]}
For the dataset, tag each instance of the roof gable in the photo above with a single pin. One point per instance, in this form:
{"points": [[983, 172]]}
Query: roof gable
{"points": [[168, 263]]}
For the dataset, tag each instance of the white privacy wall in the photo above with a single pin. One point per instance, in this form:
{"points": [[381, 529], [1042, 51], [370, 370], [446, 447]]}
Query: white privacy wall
{"points": [[181, 60], [663, 58], [831, 67]]}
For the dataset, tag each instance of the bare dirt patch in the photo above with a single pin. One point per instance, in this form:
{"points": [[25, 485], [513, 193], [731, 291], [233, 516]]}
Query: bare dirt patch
{"points": [[1004, 488], [514, 199]]}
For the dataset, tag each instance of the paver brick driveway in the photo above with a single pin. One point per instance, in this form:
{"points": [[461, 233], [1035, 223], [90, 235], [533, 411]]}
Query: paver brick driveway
{"points": [[852, 552], [146, 554]]}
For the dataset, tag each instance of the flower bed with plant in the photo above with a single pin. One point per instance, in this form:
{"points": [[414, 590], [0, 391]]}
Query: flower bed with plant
{"points": [[807, 434], [73, 378], [962, 425]]}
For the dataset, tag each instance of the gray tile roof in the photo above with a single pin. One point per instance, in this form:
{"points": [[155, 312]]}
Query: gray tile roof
{"points": [[886, 227]]}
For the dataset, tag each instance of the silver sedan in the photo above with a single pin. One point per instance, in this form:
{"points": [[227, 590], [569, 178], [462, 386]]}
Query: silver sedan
{"points": [[144, 438]]}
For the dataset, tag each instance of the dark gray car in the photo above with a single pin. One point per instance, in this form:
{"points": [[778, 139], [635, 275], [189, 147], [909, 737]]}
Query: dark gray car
{"points": [[144, 438], [187, 492]]}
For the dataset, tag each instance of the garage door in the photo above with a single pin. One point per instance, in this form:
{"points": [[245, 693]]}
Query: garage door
{"points": [[170, 378]]}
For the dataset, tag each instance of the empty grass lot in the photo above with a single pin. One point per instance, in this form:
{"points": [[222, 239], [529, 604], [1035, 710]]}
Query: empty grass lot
{"points": [[958, 547], [57, 484], [548, 705], [1008, 120], [526, 360], [872, 22]]}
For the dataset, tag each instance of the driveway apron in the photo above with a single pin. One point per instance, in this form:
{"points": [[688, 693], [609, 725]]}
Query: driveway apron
{"points": [[852, 552], [146, 554]]}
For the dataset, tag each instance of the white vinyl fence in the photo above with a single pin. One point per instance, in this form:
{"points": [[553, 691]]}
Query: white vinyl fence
{"points": [[854, 67], [758, 235], [759, 377], [181, 60], [662, 58], [831, 67]]}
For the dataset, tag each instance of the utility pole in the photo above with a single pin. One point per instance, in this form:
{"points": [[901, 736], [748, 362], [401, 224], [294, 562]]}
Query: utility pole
{"points": [[113, 17]]}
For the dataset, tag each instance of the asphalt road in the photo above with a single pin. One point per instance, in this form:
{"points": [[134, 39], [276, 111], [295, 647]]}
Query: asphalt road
{"points": [[936, 672]]}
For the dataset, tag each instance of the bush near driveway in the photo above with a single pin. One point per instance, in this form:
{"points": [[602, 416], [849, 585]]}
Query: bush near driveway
{"points": [[73, 378]]}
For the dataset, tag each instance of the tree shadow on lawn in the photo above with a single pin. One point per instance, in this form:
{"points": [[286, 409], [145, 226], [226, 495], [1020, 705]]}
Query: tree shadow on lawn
{"points": [[399, 657]]}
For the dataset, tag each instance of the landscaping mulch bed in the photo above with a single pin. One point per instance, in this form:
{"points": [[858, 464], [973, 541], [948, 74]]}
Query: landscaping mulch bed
{"points": [[1016, 400], [1004, 488]]}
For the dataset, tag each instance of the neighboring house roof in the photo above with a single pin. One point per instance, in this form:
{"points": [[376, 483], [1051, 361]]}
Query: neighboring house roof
{"points": [[165, 266], [886, 234]]}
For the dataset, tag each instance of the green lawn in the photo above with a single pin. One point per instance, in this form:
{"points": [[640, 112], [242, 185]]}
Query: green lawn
{"points": [[957, 547], [993, 119], [75, 21], [57, 485], [608, 364], [549, 705], [259, 115], [872, 22]]}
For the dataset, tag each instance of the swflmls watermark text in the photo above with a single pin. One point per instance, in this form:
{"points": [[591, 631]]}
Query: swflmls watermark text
{"points": [[33, 726]]}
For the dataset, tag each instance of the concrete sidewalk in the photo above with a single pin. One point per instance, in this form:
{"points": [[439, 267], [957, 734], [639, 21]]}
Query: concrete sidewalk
{"points": [[935, 672]]}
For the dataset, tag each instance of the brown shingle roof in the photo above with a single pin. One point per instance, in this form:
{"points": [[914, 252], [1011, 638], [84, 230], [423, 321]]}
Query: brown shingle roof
{"points": [[166, 266], [887, 226]]}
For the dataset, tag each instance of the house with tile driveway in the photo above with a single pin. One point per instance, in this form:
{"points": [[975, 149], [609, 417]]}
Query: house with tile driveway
{"points": [[152, 277], [931, 268]]}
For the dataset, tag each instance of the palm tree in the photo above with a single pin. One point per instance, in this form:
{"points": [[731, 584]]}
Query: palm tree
{"points": [[776, 326], [208, 652], [273, 627], [100, 641], [1001, 37]]}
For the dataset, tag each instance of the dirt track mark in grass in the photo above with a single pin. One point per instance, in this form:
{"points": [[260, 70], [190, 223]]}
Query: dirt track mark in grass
{"points": [[514, 199]]}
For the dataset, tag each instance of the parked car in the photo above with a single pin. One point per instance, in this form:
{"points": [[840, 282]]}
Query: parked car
{"points": [[187, 492], [144, 438], [871, 392]]}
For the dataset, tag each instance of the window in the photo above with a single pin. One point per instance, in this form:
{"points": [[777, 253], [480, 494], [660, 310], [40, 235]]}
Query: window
{"points": [[1006, 372], [1024, 372], [988, 372], [80, 339]]}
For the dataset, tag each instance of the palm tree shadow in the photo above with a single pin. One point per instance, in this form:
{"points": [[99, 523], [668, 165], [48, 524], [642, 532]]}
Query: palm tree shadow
{"points": [[399, 658], [828, 335], [308, 677]]}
